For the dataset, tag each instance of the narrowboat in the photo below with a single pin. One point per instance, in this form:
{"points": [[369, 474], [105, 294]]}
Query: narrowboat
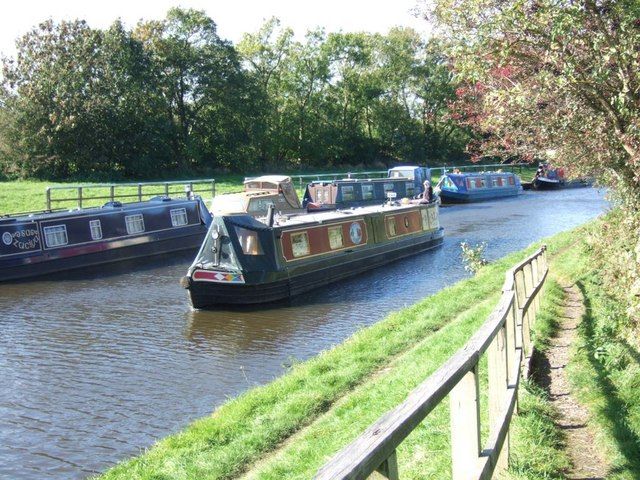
{"points": [[249, 260], [463, 187], [43, 243], [258, 194], [405, 182]]}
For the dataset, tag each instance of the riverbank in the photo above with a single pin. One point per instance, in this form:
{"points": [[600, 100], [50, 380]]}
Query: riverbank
{"points": [[29, 195], [287, 429]]}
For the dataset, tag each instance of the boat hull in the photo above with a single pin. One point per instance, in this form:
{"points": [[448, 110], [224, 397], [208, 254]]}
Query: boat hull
{"points": [[547, 184], [286, 284], [90, 257], [458, 197]]}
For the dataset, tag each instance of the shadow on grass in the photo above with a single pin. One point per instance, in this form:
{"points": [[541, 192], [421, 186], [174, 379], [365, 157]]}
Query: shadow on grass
{"points": [[614, 408]]}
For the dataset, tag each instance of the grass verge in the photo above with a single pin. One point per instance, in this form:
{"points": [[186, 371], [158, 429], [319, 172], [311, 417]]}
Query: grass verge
{"points": [[345, 388], [29, 195], [605, 367]]}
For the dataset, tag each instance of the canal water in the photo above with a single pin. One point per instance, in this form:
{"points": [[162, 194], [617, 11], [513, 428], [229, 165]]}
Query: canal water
{"points": [[95, 367]]}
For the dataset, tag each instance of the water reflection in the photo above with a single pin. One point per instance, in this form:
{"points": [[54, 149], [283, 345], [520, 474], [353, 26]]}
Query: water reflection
{"points": [[95, 367]]}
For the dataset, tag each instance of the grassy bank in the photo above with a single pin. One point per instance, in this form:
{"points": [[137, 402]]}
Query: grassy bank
{"points": [[287, 429], [29, 195], [605, 365]]}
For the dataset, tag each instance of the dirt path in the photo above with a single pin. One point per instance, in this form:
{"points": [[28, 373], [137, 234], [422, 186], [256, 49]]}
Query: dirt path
{"points": [[586, 460]]}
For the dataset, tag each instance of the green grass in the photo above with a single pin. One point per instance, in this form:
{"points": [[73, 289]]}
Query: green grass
{"points": [[29, 195], [331, 398], [605, 369]]}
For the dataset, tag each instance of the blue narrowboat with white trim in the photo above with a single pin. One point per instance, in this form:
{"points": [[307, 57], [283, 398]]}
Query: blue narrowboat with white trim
{"points": [[463, 187], [48, 242], [249, 260], [405, 182]]}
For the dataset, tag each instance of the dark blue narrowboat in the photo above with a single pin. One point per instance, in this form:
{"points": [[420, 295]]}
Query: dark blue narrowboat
{"points": [[405, 182], [248, 260], [48, 242], [476, 187]]}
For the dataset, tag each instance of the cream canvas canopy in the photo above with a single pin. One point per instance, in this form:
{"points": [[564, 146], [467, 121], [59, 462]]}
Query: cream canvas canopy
{"points": [[276, 184]]}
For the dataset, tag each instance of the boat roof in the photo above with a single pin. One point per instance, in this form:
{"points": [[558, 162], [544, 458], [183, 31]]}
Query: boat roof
{"points": [[22, 217], [477, 174], [340, 214], [269, 178], [405, 167]]}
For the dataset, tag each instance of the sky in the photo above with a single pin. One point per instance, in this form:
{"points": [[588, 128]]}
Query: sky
{"points": [[233, 17]]}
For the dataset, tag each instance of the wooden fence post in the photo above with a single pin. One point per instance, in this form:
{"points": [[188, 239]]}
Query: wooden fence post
{"points": [[526, 316], [465, 425], [388, 469], [498, 364]]}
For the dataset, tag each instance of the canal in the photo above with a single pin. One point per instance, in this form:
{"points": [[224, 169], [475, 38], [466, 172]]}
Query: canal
{"points": [[96, 367]]}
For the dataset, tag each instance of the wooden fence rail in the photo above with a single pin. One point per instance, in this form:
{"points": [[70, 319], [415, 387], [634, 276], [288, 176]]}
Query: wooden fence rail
{"points": [[506, 339]]}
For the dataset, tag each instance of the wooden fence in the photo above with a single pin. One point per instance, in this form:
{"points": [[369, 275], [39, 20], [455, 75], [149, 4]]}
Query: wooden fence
{"points": [[506, 338]]}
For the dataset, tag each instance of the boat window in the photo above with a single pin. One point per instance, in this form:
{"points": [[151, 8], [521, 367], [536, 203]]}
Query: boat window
{"points": [[410, 188], [367, 192], [96, 229], [335, 237], [448, 183], [479, 182], [249, 241], [495, 181], [135, 223], [388, 187], [179, 217], [300, 244], [511, 181], [425, 218], [406, 222], [56, 236], [348, 193], [259, 205], [391, 226], [470, 185]]}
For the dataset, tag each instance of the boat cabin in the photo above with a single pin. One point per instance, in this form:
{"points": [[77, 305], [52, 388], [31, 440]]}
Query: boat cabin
{"points": [[259, 193], [477, 186], [405, 182]]}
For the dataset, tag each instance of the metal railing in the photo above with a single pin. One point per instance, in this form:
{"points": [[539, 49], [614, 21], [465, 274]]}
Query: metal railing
{"points": [[120, 191], [506, 338], [303, 179]]}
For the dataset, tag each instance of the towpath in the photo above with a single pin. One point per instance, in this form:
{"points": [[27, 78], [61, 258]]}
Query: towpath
{"points": [[587, 463]]}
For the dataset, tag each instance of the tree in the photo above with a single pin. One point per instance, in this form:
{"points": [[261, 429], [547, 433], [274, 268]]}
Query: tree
{"points": [[204, 90], [558, 80], [551, 79]]}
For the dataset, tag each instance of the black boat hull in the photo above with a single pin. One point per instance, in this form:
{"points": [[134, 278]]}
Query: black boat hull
{"points": [[315, 275], [138, 248]]}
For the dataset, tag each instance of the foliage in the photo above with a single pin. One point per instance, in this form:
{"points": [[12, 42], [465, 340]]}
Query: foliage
{"points": [[171, 96], [556, 80], [473, 256]]}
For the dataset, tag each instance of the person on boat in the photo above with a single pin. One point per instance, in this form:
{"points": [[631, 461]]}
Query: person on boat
{"points": [[427, 193]]}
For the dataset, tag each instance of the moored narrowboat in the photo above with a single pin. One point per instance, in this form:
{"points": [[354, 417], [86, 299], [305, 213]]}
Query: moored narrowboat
{"points": [[463, 187], [43, 243], [405, 182], [246, 260]]}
